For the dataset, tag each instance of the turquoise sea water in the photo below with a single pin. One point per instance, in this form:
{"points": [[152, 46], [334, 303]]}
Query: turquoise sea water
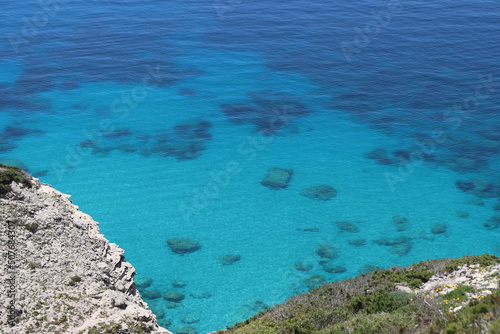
{"points": [[157, 117]]}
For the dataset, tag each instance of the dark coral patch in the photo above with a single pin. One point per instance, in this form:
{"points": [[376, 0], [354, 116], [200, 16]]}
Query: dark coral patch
{"points": [[269, 111]]}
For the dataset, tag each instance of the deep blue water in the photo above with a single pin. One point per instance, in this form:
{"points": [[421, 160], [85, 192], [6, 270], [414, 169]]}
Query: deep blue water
{"points": [[161, 119]]}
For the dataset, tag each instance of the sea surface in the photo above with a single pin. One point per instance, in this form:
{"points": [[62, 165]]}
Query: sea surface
{"points": [[161, 119]]}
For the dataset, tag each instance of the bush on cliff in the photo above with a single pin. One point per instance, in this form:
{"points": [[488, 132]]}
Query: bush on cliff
{"points": [[9, 174]]}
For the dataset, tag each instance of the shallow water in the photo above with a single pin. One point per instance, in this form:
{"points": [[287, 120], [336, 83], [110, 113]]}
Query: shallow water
{"points": [[132, 108]]}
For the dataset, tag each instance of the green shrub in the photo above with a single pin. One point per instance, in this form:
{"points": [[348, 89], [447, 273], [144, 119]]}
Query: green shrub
{"points": [[32, 227], [484, 260], [74, 280], [9, 174], [414, 278]]}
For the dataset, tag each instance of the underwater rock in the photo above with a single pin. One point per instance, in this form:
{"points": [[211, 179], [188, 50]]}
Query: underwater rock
{"points": [[14, 132], [393, 242], [6, 146], [314, 281], [270, 112], [492, 223], [183, 245], [229, 259], [201, 295], [178, 283], [87, 144], [40, 173], [190, 319], [308, 229], [165, 323], [347, 227], [193, 130], [127, 148], [117, 133], [332, 269], [368, 268], [438, 229], [257, 306], [496, 207], [476, 201], [357, 242], [151, 294], [401, 249], [172, 305], [302, 266], [321, 192], [173, 296], [401, 223], [480, 187], [187, 330], [181, 150], [462, 214], [327, 251], [381, 156], [143, 282], [277, 178]]}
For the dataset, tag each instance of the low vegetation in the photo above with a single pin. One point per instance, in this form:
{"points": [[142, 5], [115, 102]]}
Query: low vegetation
{"points": [[9, 174], [371, 303]]}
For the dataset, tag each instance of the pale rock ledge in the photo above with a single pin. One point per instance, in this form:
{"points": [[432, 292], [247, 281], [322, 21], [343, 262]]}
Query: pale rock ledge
{"points": [[63, 275]]}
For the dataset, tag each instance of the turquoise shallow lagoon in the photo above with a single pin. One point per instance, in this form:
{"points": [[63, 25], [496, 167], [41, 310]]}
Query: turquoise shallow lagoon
{"points": [[162, 120]]}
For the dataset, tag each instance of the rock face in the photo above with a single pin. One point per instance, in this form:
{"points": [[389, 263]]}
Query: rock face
{"points": [[64, 276], [277, 178], [321, 192]]}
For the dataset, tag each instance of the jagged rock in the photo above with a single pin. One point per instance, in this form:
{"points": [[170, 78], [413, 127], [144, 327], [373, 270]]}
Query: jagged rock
{"points": [[277, 178], [347, 227], [73, 271], [183, 245], [321, 192], [229, 259], [327, 251], [174, 296]]}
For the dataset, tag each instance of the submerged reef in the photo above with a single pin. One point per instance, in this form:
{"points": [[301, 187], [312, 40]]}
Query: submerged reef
{"points": [[185, 141], [269, 111]]}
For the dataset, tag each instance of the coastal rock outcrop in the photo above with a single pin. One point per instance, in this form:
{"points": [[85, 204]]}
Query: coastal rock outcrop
{"points": [[61, 274]]}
